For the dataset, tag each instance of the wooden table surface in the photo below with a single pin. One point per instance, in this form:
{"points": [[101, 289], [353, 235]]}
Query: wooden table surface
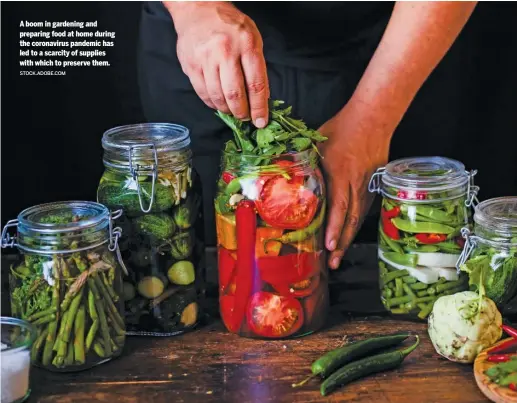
{"points": [[211, 365]]}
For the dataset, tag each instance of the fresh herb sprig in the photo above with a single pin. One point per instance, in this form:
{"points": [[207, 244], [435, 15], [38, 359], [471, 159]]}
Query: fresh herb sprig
{"points": [[284, 134]]}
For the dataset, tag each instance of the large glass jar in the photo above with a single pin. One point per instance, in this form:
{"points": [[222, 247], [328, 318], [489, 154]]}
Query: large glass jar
{"points": [[67, 283], [273, 280], [149, 175], [490, 252], [426, 202]]}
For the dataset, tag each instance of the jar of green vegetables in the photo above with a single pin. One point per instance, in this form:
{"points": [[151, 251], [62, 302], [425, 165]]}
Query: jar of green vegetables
{"points": [[490, 252], [67, 283], [149, 175], [425, 203]]}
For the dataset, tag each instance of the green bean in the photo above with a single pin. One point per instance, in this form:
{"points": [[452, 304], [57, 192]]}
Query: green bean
{"points": [[426, 310], [399, 292], [408, 291], [418, 286], [409, 280], [393, 275], [446, 286]]}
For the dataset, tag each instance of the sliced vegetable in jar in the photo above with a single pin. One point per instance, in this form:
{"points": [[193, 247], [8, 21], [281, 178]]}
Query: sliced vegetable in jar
{"points": [[275, 316]]}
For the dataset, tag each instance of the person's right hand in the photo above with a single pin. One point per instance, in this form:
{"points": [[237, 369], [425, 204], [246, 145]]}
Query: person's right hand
{"points": [[220, 50]]}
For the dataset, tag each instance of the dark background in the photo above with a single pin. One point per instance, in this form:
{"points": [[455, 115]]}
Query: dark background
{"points": [[52, 125]]}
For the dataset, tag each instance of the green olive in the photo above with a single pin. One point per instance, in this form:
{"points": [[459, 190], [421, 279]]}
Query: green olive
{"points": [[150, 287], [128, 291], [189, 314], [182, 273]]}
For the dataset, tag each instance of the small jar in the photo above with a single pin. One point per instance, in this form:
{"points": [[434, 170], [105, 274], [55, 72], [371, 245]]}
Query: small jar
{"points": [[425, 203], [270, 220], [149, 175], [67, 283], [490, 251]]}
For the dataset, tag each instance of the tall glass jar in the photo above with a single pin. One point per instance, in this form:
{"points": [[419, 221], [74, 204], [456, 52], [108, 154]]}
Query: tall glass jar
{"points": [[490, 252], [67, 283], [149, 175], [425, 203], [273, 280]]}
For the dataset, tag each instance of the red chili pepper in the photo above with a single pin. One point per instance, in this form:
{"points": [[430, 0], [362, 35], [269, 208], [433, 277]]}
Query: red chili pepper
{"points": [[394, 212], [411, 195], [226, 267], [513, 387], [246, 223], [512, 343], [390, 229], [227, 177], [500, 357], [430, 238], [288, 269], [510, 331]]}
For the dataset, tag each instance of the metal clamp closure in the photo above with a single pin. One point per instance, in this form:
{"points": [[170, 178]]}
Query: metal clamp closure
{"points": [[115, 233], [472, 190], [8, 240], [134, 173], [374, 186], [470, 244]]}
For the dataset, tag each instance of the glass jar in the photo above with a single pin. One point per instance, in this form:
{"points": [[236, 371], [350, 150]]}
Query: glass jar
{"points": [[490, 252], [17, 339], [273, 280], [149, 175], [67, 283], [425, 203]]}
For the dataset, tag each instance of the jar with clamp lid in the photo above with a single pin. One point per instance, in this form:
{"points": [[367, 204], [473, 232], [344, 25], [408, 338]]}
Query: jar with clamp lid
{"points": [[149, 175], [425, 203], [67, 283], [490, 252]]}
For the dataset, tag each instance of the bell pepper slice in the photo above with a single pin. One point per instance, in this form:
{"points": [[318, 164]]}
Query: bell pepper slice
{"points": [[288, 269], [390, 229], [430, 238], [226, 233], [394, 212], [271, 248]]}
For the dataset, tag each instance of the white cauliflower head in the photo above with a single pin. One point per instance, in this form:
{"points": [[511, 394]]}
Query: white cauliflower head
{"points": [[462, 325]]}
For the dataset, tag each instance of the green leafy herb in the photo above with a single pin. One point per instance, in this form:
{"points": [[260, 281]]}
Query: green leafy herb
{"points": [[283, 134]]}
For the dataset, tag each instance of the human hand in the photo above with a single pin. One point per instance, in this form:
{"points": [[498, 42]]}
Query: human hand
{"points": [[355, 148], [220, 50]]}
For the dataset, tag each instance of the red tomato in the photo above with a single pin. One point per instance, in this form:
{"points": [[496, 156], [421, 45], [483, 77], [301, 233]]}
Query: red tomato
{"points": [[297, 176], [289, 269], [226, 306], [274, 316], [227, 177], [300, 289], [286, 205], [226, 267]]}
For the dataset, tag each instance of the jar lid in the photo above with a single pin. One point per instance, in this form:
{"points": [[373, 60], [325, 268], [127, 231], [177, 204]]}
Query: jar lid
{"points": [[498, 215], [429, 173], [145, 141]]}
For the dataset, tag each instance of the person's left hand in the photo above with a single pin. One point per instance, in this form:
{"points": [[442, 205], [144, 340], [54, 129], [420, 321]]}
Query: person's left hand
{"points": [[355, 148]]}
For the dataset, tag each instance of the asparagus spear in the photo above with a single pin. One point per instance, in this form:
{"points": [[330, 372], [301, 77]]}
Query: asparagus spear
{"points": [[102, 316], [95, 321], [79, 353], [38, 344]]}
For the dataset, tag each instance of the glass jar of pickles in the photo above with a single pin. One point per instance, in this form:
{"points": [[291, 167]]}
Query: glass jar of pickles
{"points": [[270, 225], [149, 175], [425, 203], [490, 252], [67, 283]]}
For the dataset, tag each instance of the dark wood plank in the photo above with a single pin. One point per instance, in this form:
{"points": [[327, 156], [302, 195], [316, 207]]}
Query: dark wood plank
{"points": [[211, 365]]}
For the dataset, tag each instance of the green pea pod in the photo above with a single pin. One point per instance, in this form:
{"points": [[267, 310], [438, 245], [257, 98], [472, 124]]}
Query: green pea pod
{"points": [[402, 259], [448, 246], [431, 213], [422, 248], [421, 227], [391, 243]]}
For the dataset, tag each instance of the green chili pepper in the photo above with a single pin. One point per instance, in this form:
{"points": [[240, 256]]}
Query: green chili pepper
{"points": [[301, 234], [421, 227]]}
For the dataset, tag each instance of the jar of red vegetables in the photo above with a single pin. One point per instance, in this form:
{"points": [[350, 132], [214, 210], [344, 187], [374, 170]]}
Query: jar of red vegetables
{"points": [[426, 202], [490, 252], [149, 175], [67, 283], [270, 215]]}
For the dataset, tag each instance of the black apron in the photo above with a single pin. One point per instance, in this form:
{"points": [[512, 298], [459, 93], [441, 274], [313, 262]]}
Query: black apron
{"points": [[313, 65]]}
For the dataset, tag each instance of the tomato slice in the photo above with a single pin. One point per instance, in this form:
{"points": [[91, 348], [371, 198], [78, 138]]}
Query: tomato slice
{"points": [[286, 205], [297, 175], [274, 316], [289, 269], [226, 267], [226, 306], [299, 289]]}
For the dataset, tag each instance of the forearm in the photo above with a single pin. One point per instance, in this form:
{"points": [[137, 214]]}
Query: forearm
{"points": [[417, 37]]}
